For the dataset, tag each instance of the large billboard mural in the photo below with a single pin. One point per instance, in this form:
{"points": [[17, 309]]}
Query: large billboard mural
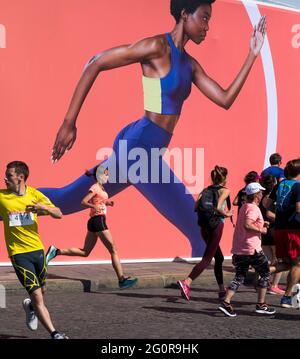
{"points": [[44, 47]]}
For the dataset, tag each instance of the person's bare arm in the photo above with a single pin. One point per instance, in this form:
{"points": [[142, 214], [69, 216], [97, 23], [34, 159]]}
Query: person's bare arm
{"points": [[270, 215], [250, 225], [224, 193], [236, 200], [142, 51], [85, 202], [267, 202], [225, 97], [43, 209]]}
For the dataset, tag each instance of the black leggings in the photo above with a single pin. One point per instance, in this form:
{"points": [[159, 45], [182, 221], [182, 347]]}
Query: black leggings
{"points": [[242, 262], [212, 239]]}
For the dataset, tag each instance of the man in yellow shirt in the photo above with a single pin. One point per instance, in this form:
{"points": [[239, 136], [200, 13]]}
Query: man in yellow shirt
{"points": [[19, 207]]}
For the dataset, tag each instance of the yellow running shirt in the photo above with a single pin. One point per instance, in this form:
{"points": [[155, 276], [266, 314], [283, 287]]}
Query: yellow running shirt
{"points": [[20, 227]]}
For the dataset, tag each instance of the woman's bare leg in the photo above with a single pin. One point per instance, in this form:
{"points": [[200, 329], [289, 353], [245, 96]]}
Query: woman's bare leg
{"points": [[89, 244], [107, 240]]}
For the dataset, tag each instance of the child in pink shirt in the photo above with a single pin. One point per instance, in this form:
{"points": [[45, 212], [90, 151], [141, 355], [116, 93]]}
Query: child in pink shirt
{"points": [[246, 250], [247, 241]]}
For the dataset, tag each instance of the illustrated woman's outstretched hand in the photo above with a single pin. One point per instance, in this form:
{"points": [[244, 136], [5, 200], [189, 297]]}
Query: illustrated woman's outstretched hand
{"points": [[258, 36], [65, 138]]}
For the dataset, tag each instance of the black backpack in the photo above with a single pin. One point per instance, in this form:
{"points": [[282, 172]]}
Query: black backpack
{"points": [[208, 215]]}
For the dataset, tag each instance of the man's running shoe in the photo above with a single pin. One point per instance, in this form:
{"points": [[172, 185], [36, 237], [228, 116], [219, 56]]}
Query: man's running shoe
{"points": [[184, 289], [51, 253], [127, 282], [60, 336], [31, 318], [227, 309], [263, 308], [286, 302]]}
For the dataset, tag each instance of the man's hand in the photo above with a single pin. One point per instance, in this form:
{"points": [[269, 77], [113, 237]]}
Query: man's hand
{"points": [[36, 207]]}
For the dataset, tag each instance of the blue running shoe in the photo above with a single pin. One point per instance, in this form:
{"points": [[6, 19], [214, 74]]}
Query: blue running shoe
{"points": [[286, 302], [127, 282]]}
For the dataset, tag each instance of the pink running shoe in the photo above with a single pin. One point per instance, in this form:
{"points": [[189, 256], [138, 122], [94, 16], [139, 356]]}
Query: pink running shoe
{"points": [[185, 289], [275, 290]]}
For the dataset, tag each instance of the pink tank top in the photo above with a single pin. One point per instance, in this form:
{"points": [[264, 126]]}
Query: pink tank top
{"points": [[98, 199]]}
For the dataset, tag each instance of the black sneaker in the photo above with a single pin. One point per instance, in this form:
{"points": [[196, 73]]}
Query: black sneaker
{"points": [[227, 309], [263, 308]]}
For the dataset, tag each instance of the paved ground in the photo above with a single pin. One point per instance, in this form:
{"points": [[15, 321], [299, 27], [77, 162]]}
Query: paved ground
{"points": [[153, 314], [100, 277], [85, 302]]}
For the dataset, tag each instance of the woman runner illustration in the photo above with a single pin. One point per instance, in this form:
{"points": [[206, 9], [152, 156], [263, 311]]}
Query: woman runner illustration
{"points": [[168, 74]]}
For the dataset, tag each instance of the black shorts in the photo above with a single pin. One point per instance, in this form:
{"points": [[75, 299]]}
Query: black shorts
{"points": [[268, 239], [31, 269], [97, 224]]}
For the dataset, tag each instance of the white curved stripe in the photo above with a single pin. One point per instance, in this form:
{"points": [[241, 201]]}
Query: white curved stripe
{"points": [[272, 131], [275, 6]]}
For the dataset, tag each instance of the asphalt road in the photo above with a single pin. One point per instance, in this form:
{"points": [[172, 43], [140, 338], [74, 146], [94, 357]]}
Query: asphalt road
{"points": [[152, 314]]}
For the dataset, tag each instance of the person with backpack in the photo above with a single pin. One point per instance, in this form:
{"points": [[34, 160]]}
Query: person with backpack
{"points": [[210, 207], [286, 194], [267, 240]]}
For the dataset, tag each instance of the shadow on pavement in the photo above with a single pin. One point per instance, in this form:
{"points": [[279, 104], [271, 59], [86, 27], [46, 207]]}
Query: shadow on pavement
{"points": [[12, 336]]}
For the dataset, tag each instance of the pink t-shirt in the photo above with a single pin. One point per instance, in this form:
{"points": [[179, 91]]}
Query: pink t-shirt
{"points": [[99, 199], [246, 241]]}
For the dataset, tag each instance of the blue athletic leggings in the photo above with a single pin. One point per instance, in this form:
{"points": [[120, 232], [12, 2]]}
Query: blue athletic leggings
{"points": [[170, 199]]}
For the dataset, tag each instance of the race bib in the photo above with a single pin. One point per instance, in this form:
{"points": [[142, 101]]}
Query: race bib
{"points": [[21, 219], [102, 209]]}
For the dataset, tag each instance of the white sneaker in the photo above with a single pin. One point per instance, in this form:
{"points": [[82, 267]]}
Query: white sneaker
{"points": [[60, 336], [31, 318], [296, 296]]}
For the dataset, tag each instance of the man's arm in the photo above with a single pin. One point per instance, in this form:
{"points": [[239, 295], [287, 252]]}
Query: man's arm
{"points": [[44, 209]]}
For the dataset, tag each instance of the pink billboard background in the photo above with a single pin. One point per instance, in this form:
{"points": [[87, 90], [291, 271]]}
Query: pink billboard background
{"points": [[44, 46]]}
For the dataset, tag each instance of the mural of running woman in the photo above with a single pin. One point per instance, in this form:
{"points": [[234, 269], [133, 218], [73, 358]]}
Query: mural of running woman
{"points": [[168, 74]]}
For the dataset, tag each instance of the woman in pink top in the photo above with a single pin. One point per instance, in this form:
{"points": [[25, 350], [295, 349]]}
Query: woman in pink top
{"points": [[97, 200], [247, 251]]}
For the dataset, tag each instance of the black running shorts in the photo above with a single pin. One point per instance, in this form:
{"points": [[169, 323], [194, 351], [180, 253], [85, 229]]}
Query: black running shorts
{"points": [[97, 224], [31, 269]]}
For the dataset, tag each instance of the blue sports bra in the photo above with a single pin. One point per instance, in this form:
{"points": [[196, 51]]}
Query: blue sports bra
{"points": [[166, 95]]}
